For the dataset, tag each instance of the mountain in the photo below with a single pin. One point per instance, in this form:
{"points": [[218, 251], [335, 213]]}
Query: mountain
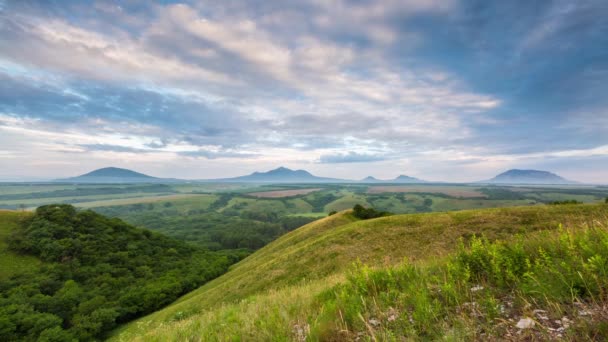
{"points": [[399, 179], [528, 177], [407, 179], [288, 288], [113, 175], [281, 175]]}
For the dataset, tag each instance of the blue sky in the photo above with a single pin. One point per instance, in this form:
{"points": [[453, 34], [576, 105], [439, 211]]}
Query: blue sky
{"points": [[436, 89]]}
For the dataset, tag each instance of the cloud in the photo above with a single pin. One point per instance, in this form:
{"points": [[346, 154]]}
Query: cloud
{"points": [[310, 82], [350, 157]]}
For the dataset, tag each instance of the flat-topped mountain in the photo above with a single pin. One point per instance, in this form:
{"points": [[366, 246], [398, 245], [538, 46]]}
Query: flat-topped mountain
{"points": [[516, 176], [399, 179], [281, 175], [112, 175]]}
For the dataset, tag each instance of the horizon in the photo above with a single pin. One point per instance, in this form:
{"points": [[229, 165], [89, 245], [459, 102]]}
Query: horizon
{"points": [[422, 181], [436, 90]]}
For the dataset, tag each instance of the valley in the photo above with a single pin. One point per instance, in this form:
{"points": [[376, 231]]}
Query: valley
{"points": [[276, 253]]}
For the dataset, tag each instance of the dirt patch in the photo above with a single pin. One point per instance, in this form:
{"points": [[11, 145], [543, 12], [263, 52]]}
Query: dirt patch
{"points": [[282, 193], [450, 191]]}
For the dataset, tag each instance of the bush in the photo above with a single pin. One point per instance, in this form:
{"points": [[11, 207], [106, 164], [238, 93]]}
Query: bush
{"points": [[566, 202], [368, 213]]}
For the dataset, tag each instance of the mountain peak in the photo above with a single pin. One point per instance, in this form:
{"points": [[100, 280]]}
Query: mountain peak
{"points": [[519, 176], [111, 175], [114, 172]]}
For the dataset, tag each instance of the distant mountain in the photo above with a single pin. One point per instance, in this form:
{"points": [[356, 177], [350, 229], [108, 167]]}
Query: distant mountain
{"points": [[280, 175], [113, 175], [407, 179], [528, 177], [399, 179]]}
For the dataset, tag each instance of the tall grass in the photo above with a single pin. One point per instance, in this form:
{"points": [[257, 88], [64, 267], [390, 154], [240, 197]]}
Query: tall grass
{"points": [[559, 280]]}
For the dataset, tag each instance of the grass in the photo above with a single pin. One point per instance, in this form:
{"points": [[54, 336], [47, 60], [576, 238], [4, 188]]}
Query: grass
{"points": [[347, 201], [300, 262], [450, 190], [11, 263], [147, 199]]}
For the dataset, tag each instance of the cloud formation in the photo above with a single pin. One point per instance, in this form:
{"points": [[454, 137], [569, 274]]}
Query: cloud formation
{"points": [[432, 86]]}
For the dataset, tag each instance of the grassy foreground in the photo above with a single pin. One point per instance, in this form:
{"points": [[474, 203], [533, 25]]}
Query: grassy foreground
{"points": [[427, 276]]}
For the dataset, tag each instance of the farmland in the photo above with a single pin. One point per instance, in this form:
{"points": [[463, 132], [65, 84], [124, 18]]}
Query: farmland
{"points": [[247, 216]]}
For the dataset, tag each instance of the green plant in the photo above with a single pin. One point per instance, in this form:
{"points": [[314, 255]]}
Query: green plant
{"points": [[368, 213]]}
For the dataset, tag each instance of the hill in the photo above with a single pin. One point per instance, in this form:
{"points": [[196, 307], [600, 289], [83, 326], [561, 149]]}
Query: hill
{"points": [[95, 272], [279, 291], [528, 177], [114, 175], [398, 179], [281, 175]]}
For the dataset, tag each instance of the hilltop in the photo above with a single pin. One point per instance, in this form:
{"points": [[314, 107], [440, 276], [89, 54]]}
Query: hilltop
{"points": [[516, 176], [111, 175], [278, 291], [398, 179], [281, 175]]}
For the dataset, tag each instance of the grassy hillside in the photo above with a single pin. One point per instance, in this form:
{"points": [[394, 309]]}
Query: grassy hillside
{"points": [[276, 290], [11, 262]]}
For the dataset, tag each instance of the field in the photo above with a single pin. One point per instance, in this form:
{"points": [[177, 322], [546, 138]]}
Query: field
{"points": [[136, 200], [10, 262], [303, 283], [453, 191], [248, 216], [282, 193]]}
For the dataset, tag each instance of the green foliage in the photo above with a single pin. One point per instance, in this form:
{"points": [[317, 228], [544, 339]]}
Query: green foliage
{"points": [[319, 200], [96, 272], [501, 193], [363, 213], [565, 202], [216, 228], [606, 200], [333, 212]]}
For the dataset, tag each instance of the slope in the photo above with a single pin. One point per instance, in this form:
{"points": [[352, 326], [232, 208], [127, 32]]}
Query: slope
{"points": [[11, 262], [315, 257]]}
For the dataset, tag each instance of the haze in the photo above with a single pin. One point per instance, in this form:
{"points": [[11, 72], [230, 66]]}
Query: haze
{"points": [[440, 90]]}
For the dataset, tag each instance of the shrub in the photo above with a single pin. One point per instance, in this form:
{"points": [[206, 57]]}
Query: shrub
{"points": [[565, 202], [368, 213]]}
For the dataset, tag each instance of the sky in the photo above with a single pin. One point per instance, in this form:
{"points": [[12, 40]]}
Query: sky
{"points": [[441, 90]]}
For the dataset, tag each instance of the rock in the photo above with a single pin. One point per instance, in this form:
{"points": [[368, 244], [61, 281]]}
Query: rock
{"points": [[374, 322], [525, 323], [476, 288]]}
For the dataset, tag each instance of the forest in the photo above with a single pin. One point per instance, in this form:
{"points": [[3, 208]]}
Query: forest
{"points": [[96, 272]]}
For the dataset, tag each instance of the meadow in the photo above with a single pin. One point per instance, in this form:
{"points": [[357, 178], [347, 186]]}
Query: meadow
{"points": [[469, 275]]}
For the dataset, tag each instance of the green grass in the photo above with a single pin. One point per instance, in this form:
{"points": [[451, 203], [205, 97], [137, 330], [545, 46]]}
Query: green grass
{"points": [[11, 263], [346, 202], [322, 253], [176, 199]]}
